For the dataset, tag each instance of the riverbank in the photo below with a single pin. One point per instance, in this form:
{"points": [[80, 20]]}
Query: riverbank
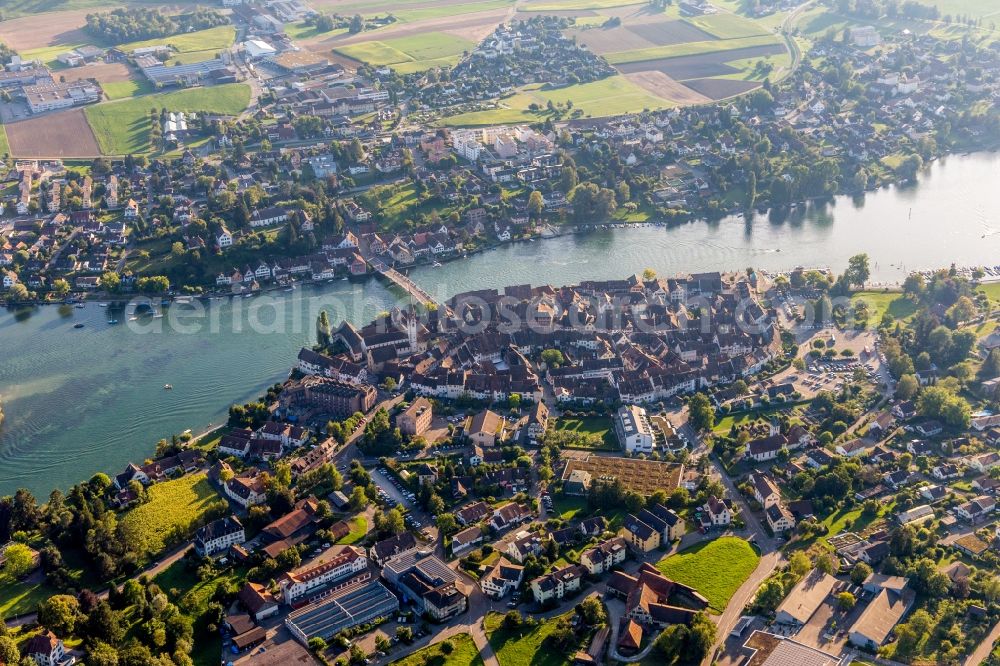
{"points": [[79, 401]]}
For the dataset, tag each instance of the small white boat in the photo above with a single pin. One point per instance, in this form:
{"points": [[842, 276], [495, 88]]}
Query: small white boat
{"points": [[79, 306], [102, 305], [167, 387], [436, 264]]}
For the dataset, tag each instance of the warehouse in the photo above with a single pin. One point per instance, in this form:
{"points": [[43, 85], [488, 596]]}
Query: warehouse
{"points": [[342, 610]]}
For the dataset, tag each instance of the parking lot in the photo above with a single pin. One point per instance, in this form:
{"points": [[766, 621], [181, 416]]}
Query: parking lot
{"points": [[394, 493]]}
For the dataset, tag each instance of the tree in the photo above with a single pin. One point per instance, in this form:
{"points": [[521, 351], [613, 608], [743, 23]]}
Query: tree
{"points": [[60, 287], [592, 611], [358, 499], [9, 652], [59, 613], [553, 358], [111, 281], [701, 637], [845, 601], [860, 572], [357, 24], [828, 563], [907, 387], [799, 564], [670, 643], [536, 204], [19, 560], [701, 414], [858, 270]]}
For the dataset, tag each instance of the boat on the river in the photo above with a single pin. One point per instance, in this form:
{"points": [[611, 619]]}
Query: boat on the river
{"points": [[77, 325], [167, 387]]}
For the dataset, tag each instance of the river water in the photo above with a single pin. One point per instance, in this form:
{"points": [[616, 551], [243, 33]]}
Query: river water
{"points": [[79, 401]]}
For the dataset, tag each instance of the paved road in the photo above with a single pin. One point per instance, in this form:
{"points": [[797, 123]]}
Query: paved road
{"points": [[982, 650], [770, 558]]}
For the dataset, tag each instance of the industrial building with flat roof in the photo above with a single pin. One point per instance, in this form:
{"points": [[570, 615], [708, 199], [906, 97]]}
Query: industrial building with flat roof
{"points": [[342, 610]]}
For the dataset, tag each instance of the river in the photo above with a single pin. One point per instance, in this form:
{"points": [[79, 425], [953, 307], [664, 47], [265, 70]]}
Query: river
{"points": [[79, 401]]}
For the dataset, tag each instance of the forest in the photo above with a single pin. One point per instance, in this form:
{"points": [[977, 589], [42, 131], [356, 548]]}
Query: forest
{"points": [[136, 23]]}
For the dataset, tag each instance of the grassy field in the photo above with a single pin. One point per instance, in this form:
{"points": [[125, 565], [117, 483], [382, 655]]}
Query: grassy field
{"points": [[172, 505], [213, 39], [438, 11], [779, 62], [124, 89], [523, 645], [880, 302], [123, 127], [4, 146], [591, 425], [727, 26], [410, 54], [564, 5], [715, 568], [612, 96], [689, 49], [464, 654], [359, 529]]}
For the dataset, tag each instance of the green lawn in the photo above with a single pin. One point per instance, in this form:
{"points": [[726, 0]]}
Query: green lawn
{"points": [[524, 645], [715, 568], [567, 506], [359, 529], [464, 654], [123, 127], [880, 302], [689, 48], [410, 54], [992, 291], [172, 505], [19, 598], [4, 146], [612, 96], [600, 426], [725, 423]]}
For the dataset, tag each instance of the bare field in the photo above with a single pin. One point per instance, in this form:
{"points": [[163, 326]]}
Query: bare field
{"points": [[113, 72], [721, 88], [611, 40], [39, 31], [663, 86], [62, 134], [474, 27], [700, 66], [662, 33]]}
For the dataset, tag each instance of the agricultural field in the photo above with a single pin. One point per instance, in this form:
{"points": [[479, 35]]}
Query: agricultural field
{"points": [[690, 49], [410, 54], [173, 505], [464, 654], [63, 134], [524, 645], [4, 145], [193, 46], [123, 127], [569, 5], [716, 569], [608, 97]]}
